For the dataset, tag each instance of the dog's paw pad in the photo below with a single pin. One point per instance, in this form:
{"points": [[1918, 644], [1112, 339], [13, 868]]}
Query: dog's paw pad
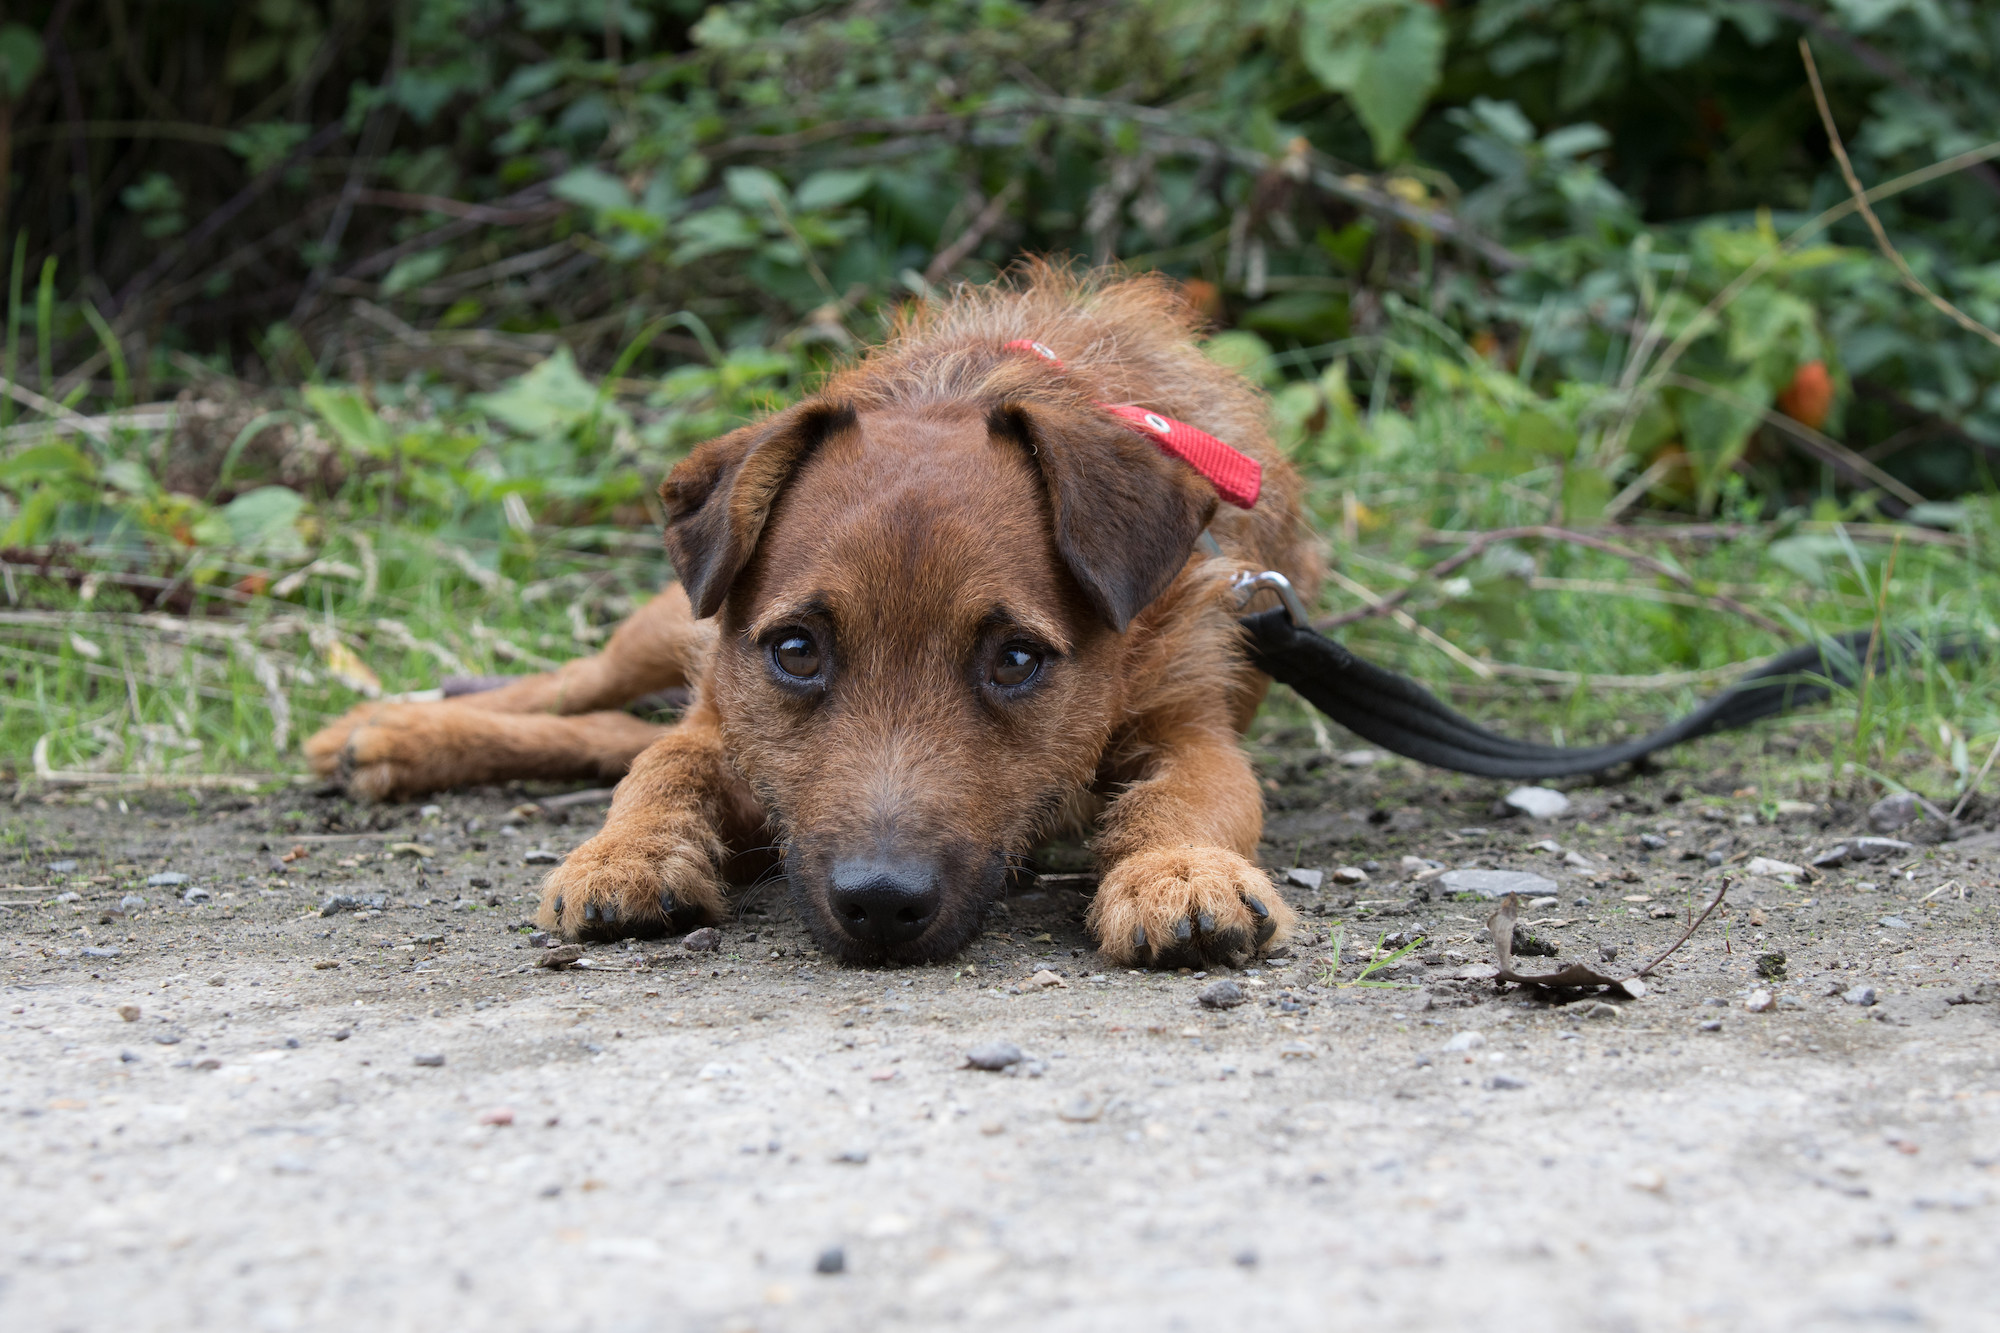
{"points": [[611, 888]]}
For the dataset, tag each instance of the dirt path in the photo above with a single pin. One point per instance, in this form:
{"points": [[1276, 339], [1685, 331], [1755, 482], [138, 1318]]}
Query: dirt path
{"points": [[392, 1119]]}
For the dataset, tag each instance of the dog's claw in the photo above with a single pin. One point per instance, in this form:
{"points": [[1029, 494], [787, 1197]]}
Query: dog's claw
{"points": [[667, 904], [559, 907], [1205, 923], [1256, 906], [590, 911], [1139, 938], [1266, 928], [1183, 931]]}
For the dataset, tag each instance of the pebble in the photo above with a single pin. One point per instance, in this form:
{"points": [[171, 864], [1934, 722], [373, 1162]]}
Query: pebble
{"points": [[1887, 923], [993, 1057], [706, 940], [428, 1061], [1537, 802], [1246, 1258], [131, 902], [1710, 1025], [852, 1157], [832, 1260], [499, 1115], [1417, 865], [1081, 1110], [98, 951], [166, 879], [1892, 812], [1505, 1083], [1544, 902], [1497, 883], [61, 867], [1304, 878], [1861, 849], [1223, 994], [1360, 758], [563, 956], [1578, 861], [1648, 1179], [1046, 979], [1349, 875], [1774, 869], [1607, 952], [1464, 1041], [1861, 995], [195, 895], [540, 856], [1652, 842], [1790, 1002], [1549, 845], [1602, 1010], [348, 902], [129, 1012], [1760, 1001]]}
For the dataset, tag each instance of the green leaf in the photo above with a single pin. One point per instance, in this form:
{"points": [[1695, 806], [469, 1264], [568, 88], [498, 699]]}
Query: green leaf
{"points": [[594, 189], [266, 521], [832, 189], [547, 400], [755, 188], [353, 421], [1399, 77], [20, 60], [415, 270], [1671, 36]]}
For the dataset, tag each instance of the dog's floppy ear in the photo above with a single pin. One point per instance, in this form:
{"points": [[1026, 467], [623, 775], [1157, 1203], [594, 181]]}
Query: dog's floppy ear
{"points": [[718, 497], [1126, 515]]}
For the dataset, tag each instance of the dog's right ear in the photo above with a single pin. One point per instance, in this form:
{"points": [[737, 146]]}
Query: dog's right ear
{"points": [[718, 497]]}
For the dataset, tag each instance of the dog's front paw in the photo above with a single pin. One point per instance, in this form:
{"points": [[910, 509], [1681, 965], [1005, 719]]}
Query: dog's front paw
{"points": [[387, 752], [616, 885], [1187, 907]]}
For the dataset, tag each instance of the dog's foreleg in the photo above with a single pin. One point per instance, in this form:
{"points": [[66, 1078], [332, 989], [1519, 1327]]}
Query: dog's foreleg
{"points": [[661, 646], [657, 864], [1178, 887]]}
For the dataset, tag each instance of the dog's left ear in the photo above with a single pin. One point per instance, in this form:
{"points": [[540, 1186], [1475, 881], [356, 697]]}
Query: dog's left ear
{"points": [[1126, 515], [719, 496]]}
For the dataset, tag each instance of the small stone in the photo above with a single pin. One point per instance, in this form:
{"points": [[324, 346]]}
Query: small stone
{"points": [[852, 1157], [1497, 883], [1578, 861], [62, 867], [498, 1115], [540, 856], [218, 980], [1540, 903], [1790, 1002], [832, 1260], [1710, 1025], [1602, 1010], [1304, 878], [98, 951], [1505, 1083], [706, 940], [166, 879], [1415, 865], [1549, 845], [1766, 866], [415, 849], [1893, 923], [129, 1012], [1246, 1258], [1652, 842], [131, 902], [1648, 1179], [428, 1061], [1607, 952], [196, 894], [1536, 802], [1861, 995], [348, 902], [1360, 758], [1046, 979], [1349, 875], [1795, 809], [557, 959], [1223, 994], [993, 1057], [1760, 1001], [1464, 1041], [1892, 812]]}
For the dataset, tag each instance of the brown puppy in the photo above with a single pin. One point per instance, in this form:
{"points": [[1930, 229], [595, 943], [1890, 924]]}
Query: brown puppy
{"points": [[931, 613]]}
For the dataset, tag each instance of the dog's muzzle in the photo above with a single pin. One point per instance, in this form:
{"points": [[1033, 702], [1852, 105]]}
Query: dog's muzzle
{"points": [[881, 902]]}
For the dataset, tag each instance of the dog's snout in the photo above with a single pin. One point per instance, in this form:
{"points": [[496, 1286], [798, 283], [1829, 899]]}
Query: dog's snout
{"points": [[884, 902]]}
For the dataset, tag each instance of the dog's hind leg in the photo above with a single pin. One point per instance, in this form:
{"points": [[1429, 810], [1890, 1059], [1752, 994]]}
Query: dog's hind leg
{"points": [[658, 862], [1178, 886], [390, 751]]}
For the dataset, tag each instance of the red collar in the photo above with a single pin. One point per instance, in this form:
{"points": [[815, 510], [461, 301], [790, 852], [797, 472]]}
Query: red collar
{"points": [[1236, 476]]}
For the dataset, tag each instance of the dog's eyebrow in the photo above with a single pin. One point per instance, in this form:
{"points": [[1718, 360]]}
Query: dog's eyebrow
{"points": [[813, 606], [1040, 627]]}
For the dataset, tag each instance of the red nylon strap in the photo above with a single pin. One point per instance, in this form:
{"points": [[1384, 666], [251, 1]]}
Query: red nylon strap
{"points": [[1236, 476]]}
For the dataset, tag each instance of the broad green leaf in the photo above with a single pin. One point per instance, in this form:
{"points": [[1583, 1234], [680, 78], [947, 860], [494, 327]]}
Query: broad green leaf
{"points": [[353, 421], [20, 60], [266, 521], [595, 189], [755, 188], [415, 270], [547, 400], [831, 189], [1671, 36], [1398, 78]]}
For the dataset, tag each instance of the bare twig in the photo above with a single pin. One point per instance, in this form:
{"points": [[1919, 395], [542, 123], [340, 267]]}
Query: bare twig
{"points": [[1378, 605], [1973, 785], [975, 232], [1882, 242], [1824, 447], [1694, 925]]}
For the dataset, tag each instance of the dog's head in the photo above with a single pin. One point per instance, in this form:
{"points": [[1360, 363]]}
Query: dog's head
{"points": [[921, 611]]}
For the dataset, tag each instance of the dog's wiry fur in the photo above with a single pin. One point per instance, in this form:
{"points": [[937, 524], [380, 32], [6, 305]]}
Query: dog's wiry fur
{"points": [[940, 503]]}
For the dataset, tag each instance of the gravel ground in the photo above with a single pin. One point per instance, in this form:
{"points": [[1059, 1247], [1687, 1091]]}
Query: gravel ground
{"points": [[253, 1112]]}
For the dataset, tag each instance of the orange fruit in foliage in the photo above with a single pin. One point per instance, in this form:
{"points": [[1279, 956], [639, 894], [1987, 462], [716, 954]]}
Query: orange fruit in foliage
{"points": [[1203, 295], [1808, 397]]}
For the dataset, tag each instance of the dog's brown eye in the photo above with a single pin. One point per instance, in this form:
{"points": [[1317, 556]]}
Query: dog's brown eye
{"points": [[796, 655], [1016, 665]]}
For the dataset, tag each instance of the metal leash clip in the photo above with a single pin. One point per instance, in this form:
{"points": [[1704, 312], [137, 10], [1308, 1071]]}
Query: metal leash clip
{"points": [[1247, 585]]}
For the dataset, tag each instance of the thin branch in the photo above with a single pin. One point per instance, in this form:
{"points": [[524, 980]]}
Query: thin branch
{"points": [[1688, 934], [975, 232], [1824, 447], [1882, 242]]}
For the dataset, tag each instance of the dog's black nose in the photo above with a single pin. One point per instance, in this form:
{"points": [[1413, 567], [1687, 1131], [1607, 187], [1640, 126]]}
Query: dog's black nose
{"points": [[884, 902]]}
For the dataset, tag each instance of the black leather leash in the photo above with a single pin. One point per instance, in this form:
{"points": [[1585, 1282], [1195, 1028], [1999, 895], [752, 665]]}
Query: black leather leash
{"points": [[1402, 716]]}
